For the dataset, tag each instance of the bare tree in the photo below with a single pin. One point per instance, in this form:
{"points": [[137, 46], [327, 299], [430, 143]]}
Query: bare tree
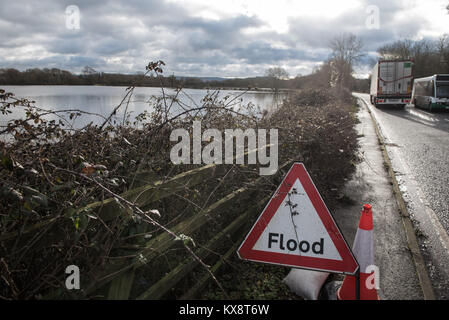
{"points": [[346, 52], [443, 50], [430, 56], [401, 49], [277, 74], [88, 70]]}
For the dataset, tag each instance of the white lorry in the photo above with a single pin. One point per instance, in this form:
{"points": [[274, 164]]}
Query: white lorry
{"points": [[391, 82]]}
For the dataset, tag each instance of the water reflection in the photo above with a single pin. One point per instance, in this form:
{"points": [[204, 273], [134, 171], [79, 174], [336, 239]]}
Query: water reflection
{"points": [[102, 100]]}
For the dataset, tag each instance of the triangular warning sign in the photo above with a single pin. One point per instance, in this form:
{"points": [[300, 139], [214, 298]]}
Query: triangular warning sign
{"points": [[296, 229]]}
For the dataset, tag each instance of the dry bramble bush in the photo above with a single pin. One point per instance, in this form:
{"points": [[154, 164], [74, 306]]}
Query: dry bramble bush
{"points": [[50, 172]]}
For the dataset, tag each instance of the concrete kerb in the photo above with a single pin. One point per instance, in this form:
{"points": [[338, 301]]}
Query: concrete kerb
{"points": [[412, 241]]}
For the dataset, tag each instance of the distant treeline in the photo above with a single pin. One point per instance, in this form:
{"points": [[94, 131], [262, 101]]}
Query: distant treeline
{"points": [[430, 56], [56, 76], [62, 77]]}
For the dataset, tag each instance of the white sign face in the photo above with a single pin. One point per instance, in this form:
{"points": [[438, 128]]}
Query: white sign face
{"points": [[296, 229], [299, 234]]}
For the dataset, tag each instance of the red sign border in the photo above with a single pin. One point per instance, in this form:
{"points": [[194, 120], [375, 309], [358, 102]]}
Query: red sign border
{"points": [[348, 264]]}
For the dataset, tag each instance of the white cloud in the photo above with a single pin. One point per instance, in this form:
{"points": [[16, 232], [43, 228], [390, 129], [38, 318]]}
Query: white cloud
{"points": [[203, 37]]}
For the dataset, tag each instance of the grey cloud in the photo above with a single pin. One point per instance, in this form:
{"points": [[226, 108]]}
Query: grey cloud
{"points": [[66, 63], [137, 31], [317, 35], [263, 52]]}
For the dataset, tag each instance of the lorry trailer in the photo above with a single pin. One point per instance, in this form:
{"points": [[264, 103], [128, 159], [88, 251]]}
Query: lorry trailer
{"points": [[391, 82]]}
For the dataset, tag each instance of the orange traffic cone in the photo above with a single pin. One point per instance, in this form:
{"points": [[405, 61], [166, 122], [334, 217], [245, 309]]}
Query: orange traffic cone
{"points": [[363, 249]]}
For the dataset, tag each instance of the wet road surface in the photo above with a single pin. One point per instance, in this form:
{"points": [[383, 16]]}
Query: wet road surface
{"points": [[417, 143]]}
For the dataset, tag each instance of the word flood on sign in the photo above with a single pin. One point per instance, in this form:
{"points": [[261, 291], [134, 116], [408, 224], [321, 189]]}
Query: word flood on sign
{"points": [[293, 245], [296, 229]]}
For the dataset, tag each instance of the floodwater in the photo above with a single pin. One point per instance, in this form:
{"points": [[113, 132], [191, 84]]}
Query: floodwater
{"points": [[103, 99]]}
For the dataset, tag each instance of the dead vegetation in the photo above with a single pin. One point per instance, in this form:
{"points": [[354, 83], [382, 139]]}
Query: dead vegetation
{"points": [[51, 173], [316, 127]]}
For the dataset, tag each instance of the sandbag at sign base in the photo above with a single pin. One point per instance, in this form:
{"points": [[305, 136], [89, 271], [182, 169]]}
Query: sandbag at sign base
{"points": [[306, 283]]}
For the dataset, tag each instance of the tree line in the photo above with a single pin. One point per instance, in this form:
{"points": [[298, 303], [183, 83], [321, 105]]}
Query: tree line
{"points": [[430, 56], [275, 79], [56, 76]]}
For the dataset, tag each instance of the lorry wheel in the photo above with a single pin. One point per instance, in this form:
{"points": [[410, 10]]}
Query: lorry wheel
{"points": [[429, 106]]}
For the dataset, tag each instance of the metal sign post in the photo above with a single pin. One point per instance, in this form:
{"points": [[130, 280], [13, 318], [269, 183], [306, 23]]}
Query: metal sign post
{"points": [[357, 284]]}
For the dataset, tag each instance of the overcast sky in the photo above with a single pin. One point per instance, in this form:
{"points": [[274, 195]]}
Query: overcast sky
{"points": [[226, 38]]}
